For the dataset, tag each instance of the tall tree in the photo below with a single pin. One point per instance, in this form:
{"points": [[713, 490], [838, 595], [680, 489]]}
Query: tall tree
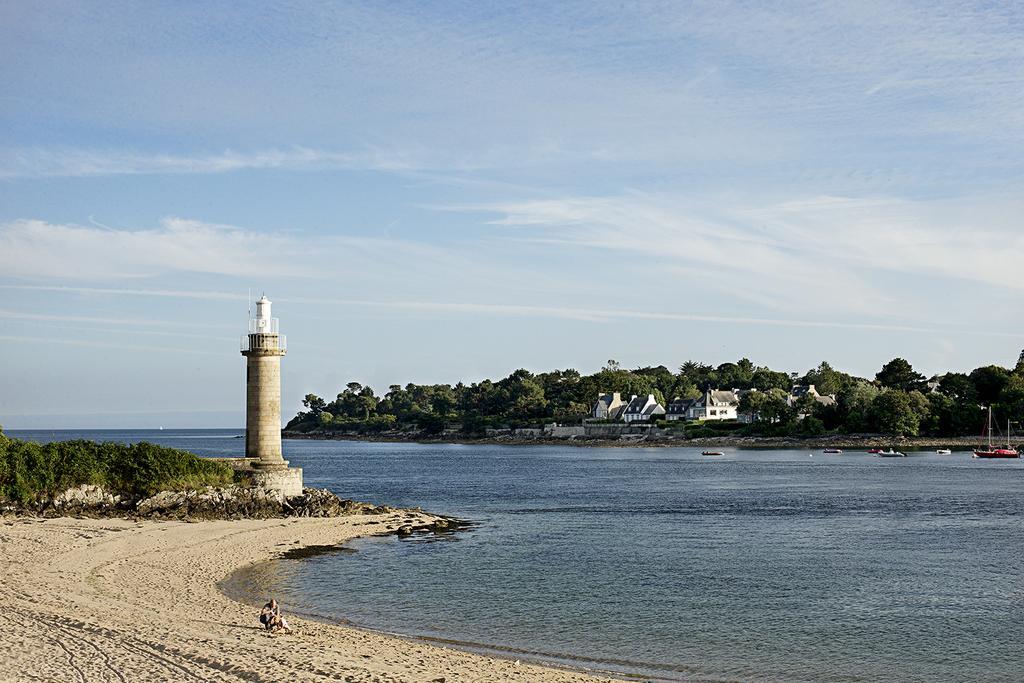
{"points": [[899, 374], [989, 382], [894, 413], [1011, 401], [764, 379], [315, 404], [826, 379], [735, 375], [958, 386], [855, 402]]}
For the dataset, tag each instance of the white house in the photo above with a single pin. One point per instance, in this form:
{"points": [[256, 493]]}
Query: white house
{"points": [[642, 408], [715, 404], [608, 407]]}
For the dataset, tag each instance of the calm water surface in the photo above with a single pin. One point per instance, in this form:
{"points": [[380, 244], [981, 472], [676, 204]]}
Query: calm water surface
{"points": [[756, 566]]}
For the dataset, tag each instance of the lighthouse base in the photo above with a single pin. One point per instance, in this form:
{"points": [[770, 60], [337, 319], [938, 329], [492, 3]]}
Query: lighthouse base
{"points": [[286, 480]]}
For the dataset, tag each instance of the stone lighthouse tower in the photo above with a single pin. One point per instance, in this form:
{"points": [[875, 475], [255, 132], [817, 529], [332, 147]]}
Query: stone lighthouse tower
{"points": [[263, 347]]}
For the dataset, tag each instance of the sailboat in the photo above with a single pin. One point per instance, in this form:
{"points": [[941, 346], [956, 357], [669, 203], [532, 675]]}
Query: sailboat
{"points": [[995, 452]]}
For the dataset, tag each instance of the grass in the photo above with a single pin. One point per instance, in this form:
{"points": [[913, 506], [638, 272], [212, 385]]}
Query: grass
{"points": [[29, 471]]}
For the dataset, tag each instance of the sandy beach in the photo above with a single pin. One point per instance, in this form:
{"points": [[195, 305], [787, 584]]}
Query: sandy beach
{"points": [[120, 600]]}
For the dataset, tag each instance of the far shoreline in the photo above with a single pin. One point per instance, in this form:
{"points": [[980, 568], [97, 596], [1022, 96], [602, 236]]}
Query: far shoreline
{"points": [[753, 443]]}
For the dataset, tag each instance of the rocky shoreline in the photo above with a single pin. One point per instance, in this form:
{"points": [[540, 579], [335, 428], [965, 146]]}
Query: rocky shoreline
{"points": [[213, 503], [848, 441]]}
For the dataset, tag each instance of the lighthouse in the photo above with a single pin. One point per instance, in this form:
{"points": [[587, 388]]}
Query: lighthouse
{"points": [[263, 348]]}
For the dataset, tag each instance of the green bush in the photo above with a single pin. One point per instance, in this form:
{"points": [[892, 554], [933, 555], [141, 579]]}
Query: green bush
{"points": [[30, 470]]}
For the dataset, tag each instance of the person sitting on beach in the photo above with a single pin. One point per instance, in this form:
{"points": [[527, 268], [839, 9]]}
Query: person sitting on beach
{"points": [[279, 624], [270, 617], [269, 614]]}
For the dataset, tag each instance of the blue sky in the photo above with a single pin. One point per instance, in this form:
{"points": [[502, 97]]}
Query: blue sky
{"points": [[435, 192]]}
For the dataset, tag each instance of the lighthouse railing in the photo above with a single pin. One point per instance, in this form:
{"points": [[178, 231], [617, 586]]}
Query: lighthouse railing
{"points": [[263, 342]]}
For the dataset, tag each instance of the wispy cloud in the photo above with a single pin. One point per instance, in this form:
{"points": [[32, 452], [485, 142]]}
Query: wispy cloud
{"points": [[820, 251], [703, 247], [174, 293], [834, 92], [34, 248], [71, 162], [464, 308], [138, 322], [101, 344], [975, 239], [88, 256]]}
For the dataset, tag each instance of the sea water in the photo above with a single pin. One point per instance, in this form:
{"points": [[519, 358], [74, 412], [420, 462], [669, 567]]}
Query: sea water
{"points": [[754, 566]]}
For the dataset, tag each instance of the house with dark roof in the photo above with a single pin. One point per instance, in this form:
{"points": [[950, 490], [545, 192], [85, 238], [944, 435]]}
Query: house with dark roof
{"points": [[679, 409], [800, 390], [715, 404], [608, 407], [642, 408]]}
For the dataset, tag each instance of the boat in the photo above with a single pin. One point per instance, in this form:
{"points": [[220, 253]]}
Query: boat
{"points": [[874, 451], [995, 451], [712, 453], [891, 454], [943, 451], [832, 450]]}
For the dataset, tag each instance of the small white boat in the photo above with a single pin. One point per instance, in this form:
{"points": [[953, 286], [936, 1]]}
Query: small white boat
{"points": [[943, 451], [833, 450], [712, 453], [891, 454]]}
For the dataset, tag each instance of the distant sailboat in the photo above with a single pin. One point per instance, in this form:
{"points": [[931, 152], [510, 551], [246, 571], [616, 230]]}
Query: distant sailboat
{"points": [[995, 452]]}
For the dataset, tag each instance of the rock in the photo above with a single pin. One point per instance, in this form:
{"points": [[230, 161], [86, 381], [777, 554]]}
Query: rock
{"points": [[213, 503], [323, 503], [162, 502], [83, 497]]}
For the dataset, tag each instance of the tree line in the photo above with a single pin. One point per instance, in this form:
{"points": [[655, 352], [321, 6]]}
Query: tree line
{"points": [[897, 401]]}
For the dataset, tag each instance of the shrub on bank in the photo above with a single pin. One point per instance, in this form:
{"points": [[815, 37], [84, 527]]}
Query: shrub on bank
{"points": [[30, 470]]}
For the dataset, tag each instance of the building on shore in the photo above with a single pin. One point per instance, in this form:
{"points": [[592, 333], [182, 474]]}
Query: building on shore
{"points": [[263, 347], [715, 404], [678, 409], [800, 390], [642, 408], [608, 407]]}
